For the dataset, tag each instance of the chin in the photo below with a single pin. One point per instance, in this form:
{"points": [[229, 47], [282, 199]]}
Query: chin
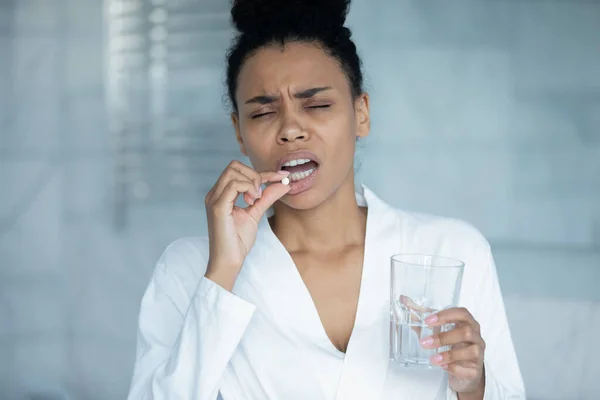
{"points": [[312, 191], [304, 201], [310, 198]]}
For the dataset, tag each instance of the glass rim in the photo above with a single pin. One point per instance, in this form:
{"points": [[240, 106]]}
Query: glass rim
{"points": [[450, 263]]}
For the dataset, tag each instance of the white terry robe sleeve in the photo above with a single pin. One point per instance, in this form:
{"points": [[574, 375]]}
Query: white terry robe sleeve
{"points": [[185, 339], [503, 379], [502, 373]]}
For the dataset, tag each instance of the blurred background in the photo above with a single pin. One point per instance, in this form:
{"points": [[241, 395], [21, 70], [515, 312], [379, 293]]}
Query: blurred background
{"points": [[113, 126]]}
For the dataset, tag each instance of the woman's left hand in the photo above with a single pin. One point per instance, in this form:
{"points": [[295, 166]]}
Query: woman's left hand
{"points": [[464, 361]]}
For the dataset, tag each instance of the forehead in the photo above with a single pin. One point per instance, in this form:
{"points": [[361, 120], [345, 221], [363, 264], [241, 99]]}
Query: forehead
{"points": [[296, 65]]}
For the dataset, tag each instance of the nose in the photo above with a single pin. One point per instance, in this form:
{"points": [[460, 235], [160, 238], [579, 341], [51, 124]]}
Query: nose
{"points": [[291, 131], [290, 136]]}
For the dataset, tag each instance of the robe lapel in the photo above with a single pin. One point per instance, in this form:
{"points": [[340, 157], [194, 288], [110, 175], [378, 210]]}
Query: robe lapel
{"points": [[368, 373], [273, 280], [366, 363]]}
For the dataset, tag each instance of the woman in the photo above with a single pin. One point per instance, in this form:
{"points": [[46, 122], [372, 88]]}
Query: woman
{"points": [[288, 298]]}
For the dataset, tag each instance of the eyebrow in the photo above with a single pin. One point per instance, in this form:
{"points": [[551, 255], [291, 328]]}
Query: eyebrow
{"points": [[305, 94]]}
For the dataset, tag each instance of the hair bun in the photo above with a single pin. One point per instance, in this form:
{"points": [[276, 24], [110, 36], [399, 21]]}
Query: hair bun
{"points": [[255, 15]]}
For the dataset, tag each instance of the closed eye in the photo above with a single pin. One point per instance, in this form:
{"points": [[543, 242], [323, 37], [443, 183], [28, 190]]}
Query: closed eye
{"points": [[257, 116], [321, 106]]}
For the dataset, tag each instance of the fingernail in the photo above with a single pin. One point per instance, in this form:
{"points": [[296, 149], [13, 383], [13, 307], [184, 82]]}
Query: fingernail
{"points": [[445, 366], [283, 172], [437, 359], [259, 192], [427, 342], [432, 319]]}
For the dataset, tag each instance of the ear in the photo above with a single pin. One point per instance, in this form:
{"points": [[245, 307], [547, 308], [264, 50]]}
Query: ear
{"points": [[363, 121], [235, 120]]}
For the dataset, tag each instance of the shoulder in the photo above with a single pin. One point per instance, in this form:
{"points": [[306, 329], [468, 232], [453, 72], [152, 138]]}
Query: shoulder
{"points": [[420, 232], [440, 230], [184, 261], [452, 238]]}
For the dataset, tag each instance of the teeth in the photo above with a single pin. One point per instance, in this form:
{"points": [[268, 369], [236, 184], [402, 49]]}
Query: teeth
{"points": [[293, 163], [297, 176]]}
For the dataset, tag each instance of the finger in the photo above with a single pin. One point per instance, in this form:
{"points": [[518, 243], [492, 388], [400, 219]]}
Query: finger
{"points": [[452, 315], [270, 195], [408, 302], [226, 201], [229, 175], [417, 326], [467, 364], [270, 177], [471, 354], [248, 172], [415, 312], [463, 334], [249, 199], [463, 372], [273, 176]]}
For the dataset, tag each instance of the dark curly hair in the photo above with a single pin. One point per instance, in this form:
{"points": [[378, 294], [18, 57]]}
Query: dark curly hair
{"points": [[267, 22]]}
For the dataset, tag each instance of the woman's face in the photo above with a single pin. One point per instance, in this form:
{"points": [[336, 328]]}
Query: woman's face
{"points": [[295, 104]]}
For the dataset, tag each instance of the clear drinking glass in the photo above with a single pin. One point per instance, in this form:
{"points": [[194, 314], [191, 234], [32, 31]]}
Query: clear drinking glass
{"points": [[421, 285]]}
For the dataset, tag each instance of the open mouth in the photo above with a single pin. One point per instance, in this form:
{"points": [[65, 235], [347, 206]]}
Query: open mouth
{"points": [[300, 169]]}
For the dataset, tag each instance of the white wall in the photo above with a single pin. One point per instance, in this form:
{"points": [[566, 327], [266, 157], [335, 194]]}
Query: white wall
{"points": [[488, 110]]}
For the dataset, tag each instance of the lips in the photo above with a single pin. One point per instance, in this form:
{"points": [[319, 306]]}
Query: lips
{"points": [[301, 171], [303, 167], [291, 159]]}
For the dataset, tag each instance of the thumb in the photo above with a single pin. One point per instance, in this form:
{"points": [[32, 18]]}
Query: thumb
{"points": [[270, 195]]}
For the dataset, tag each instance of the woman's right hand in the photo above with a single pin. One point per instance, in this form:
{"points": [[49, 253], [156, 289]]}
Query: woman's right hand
{"points": [[232, 229]]}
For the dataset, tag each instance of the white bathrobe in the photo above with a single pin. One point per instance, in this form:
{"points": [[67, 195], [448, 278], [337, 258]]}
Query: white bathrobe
{"points": [[265, 340]]}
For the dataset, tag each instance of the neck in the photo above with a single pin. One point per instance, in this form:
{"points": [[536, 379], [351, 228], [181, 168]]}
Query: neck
{"points": [[334, 225]]}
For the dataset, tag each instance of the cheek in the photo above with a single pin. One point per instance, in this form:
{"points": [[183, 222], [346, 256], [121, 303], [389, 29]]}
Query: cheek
{"points": [[258, 150], [341, 134]]}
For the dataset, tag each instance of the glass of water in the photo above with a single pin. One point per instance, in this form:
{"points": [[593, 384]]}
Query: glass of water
{"points": [[421, 285]]}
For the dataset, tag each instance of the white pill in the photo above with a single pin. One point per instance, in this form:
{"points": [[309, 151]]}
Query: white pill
{"points": [[286, 181]]}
